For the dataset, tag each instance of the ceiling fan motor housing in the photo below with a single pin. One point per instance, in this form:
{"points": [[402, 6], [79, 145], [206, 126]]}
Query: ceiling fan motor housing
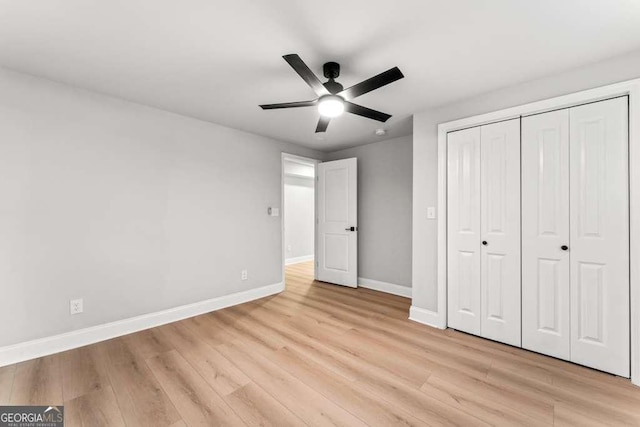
{"points": [[332, 71], [333, 86]]}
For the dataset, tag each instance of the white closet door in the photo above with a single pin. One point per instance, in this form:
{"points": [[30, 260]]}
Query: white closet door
{"points": [[545, 229], [600, 236], [463, 230], [500, 231]]}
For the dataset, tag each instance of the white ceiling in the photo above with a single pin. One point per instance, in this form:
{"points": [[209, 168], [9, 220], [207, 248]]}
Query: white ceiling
{"points": [[217, 60]]}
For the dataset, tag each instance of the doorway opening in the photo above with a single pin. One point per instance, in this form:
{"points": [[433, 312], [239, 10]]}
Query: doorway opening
{"points": [[299, 212]]}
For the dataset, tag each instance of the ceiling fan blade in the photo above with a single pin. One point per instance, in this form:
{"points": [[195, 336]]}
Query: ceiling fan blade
{"points": [[307, 75], [366, 112], [323, 123], [373, 83], [289, 105]]}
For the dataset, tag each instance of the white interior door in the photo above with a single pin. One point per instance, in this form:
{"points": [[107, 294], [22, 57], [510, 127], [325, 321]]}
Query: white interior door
{"points": [[500, 231], [463, 230], [599, 206], [337, 258], [545, 230]]}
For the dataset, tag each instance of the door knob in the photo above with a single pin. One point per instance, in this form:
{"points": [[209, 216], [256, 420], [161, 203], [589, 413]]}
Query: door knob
{"points": [[484, 242], [564, 247], [351, 229]]}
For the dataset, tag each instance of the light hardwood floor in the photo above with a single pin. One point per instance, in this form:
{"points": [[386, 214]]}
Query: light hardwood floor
{"points": [[317, 354]]}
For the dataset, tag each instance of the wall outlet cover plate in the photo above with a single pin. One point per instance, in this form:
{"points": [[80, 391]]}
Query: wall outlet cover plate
{"points": [[76, 306]]}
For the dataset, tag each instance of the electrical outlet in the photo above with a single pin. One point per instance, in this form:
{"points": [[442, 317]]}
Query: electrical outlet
{"points": [[75, 306], [244, 275], [288, 248]]}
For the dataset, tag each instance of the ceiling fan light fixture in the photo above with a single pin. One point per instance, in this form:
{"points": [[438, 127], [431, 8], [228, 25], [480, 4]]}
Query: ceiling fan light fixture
{"points": [[331, 106], [333, 99]]}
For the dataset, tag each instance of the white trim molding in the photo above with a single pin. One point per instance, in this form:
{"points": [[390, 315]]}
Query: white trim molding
{"points": [[55, 344], [389, 288], [631, 88], [426, 317], [298, 260]]}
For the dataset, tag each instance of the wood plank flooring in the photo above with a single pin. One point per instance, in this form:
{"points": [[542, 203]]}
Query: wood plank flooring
{"points": [[316, 354]]}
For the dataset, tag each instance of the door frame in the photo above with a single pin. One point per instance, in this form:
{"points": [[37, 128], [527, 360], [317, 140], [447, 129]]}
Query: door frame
{"points": [[438, 319], [305, 160]]}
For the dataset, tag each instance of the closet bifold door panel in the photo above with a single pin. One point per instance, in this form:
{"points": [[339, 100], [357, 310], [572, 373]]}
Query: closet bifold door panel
{"points": [[463, 230], [545, 231], [483, 231], [575, 235], [599, 234], [500, 231]]}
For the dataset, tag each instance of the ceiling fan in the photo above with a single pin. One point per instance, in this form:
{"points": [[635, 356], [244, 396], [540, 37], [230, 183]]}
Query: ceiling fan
{"points": [[333, 99]]}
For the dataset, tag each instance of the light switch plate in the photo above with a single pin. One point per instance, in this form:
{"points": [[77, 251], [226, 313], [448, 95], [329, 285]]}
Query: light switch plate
{"points": [[431, 212]]}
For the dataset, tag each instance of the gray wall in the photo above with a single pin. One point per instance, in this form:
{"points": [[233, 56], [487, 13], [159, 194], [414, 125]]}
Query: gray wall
{"points": [[299, 208], [425, 151], [384, 209], [134, 209]]}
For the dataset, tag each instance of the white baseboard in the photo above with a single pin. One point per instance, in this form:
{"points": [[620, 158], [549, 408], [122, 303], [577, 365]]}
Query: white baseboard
{"points": [[427, 317], [55, 344], [390, 288], [298, 260]]}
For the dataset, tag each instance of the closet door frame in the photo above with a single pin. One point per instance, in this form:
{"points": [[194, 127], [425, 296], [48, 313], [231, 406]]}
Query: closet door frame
{"points": [[438, 318]]}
